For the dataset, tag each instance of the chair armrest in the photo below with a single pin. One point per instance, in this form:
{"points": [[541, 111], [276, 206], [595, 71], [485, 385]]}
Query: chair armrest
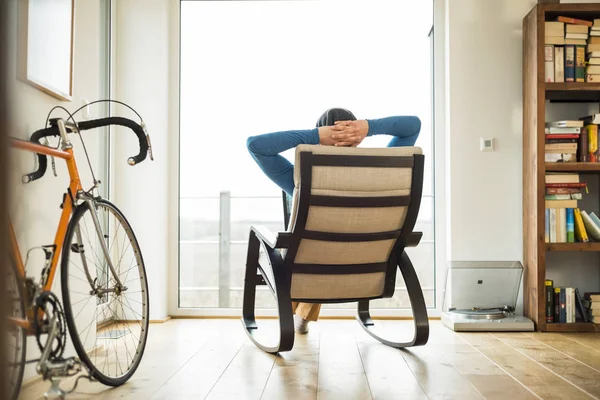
{"points": [[274, 241], [414, 239], [264, 235]]}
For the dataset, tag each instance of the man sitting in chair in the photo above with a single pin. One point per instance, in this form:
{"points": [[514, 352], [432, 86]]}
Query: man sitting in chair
{"points": [[336, 127]]}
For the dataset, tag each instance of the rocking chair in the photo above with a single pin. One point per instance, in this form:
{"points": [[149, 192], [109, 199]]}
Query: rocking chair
{"points": [[351, 219]]}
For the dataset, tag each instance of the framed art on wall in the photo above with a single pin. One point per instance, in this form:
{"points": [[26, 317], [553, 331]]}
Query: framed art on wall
{"points": [[46, 45]]}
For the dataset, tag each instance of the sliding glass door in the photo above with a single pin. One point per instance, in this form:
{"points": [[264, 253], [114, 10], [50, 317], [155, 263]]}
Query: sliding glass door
{"points": [[253, 67]]}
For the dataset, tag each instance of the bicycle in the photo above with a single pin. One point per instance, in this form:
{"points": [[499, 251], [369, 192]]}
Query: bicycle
{"points": [[103, 277]]}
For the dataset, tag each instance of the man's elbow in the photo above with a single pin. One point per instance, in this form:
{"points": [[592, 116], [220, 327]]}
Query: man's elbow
{"points": [[415, 124], [250, 144]]}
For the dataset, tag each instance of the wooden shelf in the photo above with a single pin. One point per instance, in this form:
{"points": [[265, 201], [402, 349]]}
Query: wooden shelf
{"points": [[573, 167], [536, 95], [573, 91], [573, 327], [588, 246]]}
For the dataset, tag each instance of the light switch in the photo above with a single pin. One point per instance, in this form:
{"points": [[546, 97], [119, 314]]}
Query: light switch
{"points": [[486, 144]]}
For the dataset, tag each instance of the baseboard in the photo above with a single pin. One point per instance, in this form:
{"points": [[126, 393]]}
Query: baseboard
{"points": [[274, 317], [32, 381], [160, 321]]}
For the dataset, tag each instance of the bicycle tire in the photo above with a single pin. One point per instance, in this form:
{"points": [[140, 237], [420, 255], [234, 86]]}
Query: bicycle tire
{"points": [[16, 377], [67, 292]]}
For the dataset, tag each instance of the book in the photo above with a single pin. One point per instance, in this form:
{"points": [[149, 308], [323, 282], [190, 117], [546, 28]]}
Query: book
{"points": [[557, 130], [559, 64], [549, 301], [591, 119], [580, 307], [576, 21], [591, 228], [569, 64], [570, 225], [566, 123], [579, 63], [580, 231], [592, 131], [549, 62]]}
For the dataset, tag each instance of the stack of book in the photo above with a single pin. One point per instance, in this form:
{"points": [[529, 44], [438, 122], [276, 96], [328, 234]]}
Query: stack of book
{"points": [[564, 222], [563, 140], [564, 304], [592, 305], [592, 71], [565, 50]]}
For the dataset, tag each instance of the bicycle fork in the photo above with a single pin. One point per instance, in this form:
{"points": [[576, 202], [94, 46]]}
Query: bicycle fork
{"points": [[98, 291]]}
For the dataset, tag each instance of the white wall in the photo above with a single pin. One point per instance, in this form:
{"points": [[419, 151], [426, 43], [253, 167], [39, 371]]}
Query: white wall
{"points": [[35, 207], [485, 100], [141, 60]]}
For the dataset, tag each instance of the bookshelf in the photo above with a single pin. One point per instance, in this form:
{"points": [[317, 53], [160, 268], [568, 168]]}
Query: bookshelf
{"points": [[536, 94]]}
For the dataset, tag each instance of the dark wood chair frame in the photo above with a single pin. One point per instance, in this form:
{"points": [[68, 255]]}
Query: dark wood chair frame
{"points": [[282, 268]]}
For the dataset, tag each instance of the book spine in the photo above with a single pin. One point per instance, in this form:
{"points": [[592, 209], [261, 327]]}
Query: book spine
{"points": [[573, 306], [553, 225], [562, 225], [556, 304], [580, 64], [583, 147], [549, 301], [559, 64], [570, 226], [563, 306], [547, 228], [570, 63], [566, 185], [592, 131], [579, 227], [580, 307], [562, 136], [549, 62], [562, 191]]}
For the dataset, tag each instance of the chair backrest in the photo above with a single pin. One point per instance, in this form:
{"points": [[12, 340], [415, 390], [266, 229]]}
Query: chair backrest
{"points": [[352, 210]]}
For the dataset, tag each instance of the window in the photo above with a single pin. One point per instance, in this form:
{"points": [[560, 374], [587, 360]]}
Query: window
{"points": [[252, 67]]}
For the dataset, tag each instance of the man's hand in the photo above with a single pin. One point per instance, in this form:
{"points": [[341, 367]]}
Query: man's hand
{"points": [[326, 135], [350, 133]]}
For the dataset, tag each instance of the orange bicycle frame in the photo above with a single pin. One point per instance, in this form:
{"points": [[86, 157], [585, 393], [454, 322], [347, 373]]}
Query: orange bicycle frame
{"points": [[67, 209]]}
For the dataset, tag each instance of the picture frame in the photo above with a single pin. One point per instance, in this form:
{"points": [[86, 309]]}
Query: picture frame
{"points": [[46, 45]]}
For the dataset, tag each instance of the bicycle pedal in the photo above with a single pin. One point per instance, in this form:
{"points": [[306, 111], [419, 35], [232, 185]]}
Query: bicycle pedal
{"points": [[55, 392]]}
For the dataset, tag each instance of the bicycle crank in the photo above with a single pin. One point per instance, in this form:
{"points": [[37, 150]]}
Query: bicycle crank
{"points": [[47, 307]]}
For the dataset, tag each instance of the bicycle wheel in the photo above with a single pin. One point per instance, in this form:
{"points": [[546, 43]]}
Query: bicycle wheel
{"points": [[16, 341], [108, 321]]}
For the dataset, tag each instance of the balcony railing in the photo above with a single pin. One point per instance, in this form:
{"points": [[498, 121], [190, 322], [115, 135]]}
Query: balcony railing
{"points": [[224, 239]]}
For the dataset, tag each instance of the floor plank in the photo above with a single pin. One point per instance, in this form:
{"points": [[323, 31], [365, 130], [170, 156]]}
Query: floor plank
{"points": [[213, 359], [578, 374], [522, 368], [341, 373]]}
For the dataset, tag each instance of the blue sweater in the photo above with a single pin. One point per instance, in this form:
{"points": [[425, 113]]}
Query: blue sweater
{"points": [[266, 148]]}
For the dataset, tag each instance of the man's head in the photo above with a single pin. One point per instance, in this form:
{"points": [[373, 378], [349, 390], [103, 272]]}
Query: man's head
{"points": [[332, 115]]}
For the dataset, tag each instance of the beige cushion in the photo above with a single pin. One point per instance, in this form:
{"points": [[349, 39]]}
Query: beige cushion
{"points": [[313, 286], [353, 182]]}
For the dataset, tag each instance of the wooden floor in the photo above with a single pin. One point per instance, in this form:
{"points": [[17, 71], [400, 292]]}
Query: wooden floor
{"points": [[212, 359]]}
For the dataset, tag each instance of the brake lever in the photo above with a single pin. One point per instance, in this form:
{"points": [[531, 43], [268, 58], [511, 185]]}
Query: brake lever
{"points": [[143, 124]]}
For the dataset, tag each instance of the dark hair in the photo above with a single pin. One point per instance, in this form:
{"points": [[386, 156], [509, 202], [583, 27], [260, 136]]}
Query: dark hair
{"points": [[329, 117]]}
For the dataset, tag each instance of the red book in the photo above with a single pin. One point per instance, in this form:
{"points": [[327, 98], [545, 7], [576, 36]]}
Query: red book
{"points": [[566, 185], [569, 20], [552, 190], [562, 136]]}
